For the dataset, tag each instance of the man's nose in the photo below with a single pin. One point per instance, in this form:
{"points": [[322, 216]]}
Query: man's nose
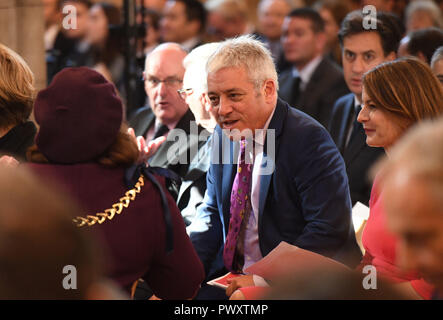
{"points": [[162, 89], [224, 107], [358, 66]]}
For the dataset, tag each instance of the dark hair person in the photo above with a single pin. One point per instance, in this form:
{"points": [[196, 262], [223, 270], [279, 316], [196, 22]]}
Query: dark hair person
{"points": [[83, 146], [396, 95]]}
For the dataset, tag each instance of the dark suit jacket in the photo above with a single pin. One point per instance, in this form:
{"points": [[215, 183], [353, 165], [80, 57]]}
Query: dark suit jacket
{"points": [[304, 201], [144, 118], [358, 156], [193, 187], [323, 89]]}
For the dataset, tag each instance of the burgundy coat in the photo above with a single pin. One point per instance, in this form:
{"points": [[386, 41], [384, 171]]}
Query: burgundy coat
{"points": [[134, 241]]}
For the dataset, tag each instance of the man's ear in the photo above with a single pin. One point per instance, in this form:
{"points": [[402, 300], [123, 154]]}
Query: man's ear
{"points": [[391, 56], [422, 57], [204, 100], [269, 90]]}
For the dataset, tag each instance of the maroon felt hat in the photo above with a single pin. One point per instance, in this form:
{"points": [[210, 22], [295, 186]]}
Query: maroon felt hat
{"points": [[79, 115]]}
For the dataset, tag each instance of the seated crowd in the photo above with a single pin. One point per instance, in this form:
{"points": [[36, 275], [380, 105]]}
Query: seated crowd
{"points": [[257, 136]]}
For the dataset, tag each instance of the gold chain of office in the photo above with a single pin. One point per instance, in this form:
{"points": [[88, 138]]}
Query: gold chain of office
{"points": [[116, 208]]}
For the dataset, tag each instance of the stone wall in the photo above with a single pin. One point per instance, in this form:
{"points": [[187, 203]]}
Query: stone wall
{"points": [[22, 29]]}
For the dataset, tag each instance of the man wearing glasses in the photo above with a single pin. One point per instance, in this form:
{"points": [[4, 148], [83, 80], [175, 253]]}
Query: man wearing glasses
{"points": [[167, 113]]}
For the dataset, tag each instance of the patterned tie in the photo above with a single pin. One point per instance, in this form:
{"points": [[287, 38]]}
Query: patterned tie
{"points": [[240, 209]]}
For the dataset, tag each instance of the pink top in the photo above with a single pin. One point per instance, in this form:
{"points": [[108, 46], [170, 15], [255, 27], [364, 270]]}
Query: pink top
{"points": [[380, 246]]}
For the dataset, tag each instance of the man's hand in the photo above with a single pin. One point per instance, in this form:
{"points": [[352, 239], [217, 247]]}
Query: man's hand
{"points": [[146, 150], [8, 161], [239, 282]]}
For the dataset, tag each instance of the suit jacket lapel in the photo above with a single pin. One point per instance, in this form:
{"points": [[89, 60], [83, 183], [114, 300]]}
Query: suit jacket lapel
{"points": [[228, 176], [311, 94], [356, 143], [269, 159], [344, 121], [286, 83], [197, 167]]}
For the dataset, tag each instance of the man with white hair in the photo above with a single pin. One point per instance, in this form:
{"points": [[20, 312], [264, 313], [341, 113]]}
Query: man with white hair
{"points": [[194, 93], [288, 183]]}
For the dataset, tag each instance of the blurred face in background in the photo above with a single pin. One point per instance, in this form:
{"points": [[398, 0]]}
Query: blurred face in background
{"points": [[300, 43], [331, 27], [174, 26], [82, 21], [414, 214], [157, 5], [419, 20], [361, 52], [163, 77], [51, 12], [97, 26], [271, 14]]}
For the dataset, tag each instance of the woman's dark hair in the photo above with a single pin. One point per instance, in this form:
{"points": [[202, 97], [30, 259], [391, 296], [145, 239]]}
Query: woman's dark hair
{"points": [[113, 43]]}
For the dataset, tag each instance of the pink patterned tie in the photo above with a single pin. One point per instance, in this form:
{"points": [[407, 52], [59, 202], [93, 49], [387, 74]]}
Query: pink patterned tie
{"points": [[240, 208]]}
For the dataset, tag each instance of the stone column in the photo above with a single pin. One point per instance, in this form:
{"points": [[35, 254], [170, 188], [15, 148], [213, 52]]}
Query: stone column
{"points": [[22, 29]]}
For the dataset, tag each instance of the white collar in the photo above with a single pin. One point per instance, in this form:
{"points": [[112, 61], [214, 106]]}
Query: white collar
{"points": [[306, 73], [190, 43], [261, 134]]}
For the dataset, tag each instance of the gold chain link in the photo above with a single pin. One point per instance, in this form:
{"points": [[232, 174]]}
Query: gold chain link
{"points": [[116, 208]]}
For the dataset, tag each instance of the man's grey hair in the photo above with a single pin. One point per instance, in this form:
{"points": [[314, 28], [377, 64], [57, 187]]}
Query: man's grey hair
{"points": [[426, 6], [195, 64], [246, 52], [437, 56]]}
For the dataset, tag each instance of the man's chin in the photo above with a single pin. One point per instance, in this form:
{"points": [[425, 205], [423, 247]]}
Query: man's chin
{"points": [[237, 135]]}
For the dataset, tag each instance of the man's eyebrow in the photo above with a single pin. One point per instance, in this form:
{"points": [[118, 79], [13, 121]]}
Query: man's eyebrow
{"points": [[364, 52], [230, 90]]}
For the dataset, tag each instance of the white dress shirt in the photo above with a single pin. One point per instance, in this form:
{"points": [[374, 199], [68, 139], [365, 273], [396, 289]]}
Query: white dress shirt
{"points": [[306, 73], [252, 252]]}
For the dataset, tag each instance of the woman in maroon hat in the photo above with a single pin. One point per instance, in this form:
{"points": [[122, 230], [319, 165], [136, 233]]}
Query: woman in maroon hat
{"points": [[83, 146]]}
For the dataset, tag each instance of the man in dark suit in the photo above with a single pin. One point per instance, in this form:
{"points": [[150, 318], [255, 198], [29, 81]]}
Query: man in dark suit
{"points": [[194, 92], [168, 115], [362, 50], [314, 82], [289, 185]]}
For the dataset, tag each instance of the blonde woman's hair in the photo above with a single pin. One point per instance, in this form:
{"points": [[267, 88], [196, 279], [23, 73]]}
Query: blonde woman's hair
{"points": [[247, 52], [405, 88], [17, 91]]}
